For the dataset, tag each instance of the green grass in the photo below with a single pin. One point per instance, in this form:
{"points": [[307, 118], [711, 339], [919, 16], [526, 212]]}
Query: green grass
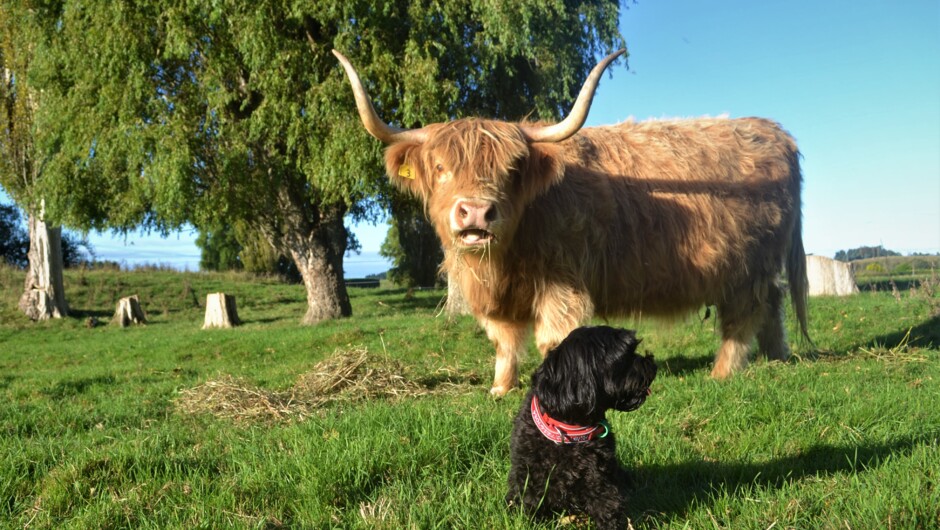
{"points": [[842, 436]]}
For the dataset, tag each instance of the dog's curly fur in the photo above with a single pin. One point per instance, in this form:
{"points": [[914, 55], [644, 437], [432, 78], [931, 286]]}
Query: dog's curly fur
{"points": [[594, 369]]}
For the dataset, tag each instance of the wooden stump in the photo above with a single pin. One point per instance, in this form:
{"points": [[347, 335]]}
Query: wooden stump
{"points": [[828, 277], [129, 312], [220, 311]]}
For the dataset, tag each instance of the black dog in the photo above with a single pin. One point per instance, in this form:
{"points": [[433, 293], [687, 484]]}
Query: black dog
{"points": [[563, 453]]}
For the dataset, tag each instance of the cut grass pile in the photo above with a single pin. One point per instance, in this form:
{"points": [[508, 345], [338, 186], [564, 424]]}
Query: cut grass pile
{"points": [[345, 377]]}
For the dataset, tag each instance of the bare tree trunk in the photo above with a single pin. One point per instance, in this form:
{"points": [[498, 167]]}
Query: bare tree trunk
{"points": [[44, 294], [319, 258], [315, 239], [420, 261]]}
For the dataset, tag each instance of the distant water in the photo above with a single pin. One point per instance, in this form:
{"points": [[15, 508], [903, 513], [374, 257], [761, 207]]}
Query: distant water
{"points": [[179, 251], [364, 264]]}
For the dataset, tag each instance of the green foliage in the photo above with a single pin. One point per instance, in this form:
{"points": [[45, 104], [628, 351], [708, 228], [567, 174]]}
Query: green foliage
{"points": [[20, 35], [92, 437], [160, 113], [219, 248], [164, 113]]}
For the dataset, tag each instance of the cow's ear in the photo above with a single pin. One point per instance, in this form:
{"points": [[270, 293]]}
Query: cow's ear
{"points": [[543, 168], [404, 168]]}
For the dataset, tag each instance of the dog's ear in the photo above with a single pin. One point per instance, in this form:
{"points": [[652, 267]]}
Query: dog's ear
{"points": [[566, 383]]}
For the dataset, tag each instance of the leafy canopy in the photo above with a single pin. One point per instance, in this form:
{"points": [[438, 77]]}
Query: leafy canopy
{"points": [[157, 112]]}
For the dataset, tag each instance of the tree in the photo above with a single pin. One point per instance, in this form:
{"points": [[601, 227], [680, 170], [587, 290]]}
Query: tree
{"points": [[237, 247], [21, 167], [219, 248], [167, 112]]}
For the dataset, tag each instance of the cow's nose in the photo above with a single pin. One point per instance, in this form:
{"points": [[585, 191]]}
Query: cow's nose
{"points": [[473, 214]]}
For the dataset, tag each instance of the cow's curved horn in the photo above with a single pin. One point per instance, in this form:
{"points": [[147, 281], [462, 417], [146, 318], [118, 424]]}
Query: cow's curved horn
{"points": [[376, 127], [569, 126]]}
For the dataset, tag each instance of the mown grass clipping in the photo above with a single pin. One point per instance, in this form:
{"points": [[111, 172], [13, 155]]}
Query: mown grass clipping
{"points": [[344, 377]]}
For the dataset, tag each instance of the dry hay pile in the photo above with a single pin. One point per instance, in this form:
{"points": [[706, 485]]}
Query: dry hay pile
{"points": [[346, 376]]}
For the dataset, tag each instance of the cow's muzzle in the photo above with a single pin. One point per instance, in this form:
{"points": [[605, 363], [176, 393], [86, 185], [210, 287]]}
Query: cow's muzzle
{"points": [[471, 221]]}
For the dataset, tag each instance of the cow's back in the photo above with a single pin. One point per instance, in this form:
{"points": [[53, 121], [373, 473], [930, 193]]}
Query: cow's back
{"points": [[660, 217]]}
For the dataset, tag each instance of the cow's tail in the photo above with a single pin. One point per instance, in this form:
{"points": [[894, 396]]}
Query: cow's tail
{"points": [[796, 260], [796, 277]]}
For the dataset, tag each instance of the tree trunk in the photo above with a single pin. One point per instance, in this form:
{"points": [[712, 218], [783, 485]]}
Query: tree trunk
{"points": [[315, 239], [319, 258], [44, 294], [419, 263]]}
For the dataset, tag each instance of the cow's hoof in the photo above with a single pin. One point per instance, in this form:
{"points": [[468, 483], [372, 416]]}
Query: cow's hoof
{"points": [[721, 373], [499, 391]]}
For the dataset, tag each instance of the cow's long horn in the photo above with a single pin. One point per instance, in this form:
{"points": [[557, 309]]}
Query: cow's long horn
{"points": [[569, 126], [376, 127]]}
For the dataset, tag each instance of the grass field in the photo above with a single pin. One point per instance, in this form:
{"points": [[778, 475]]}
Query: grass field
{"points": [[99, 428]]}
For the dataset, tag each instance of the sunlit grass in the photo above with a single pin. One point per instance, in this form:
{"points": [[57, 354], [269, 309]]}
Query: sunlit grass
{"points": [[91, 435]]}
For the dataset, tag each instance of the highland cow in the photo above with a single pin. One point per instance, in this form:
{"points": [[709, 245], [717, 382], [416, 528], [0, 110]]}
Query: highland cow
{"points": [[545, 226]]}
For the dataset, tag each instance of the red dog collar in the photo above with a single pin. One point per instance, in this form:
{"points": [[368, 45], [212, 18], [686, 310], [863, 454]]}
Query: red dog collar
{"points": [[563, 433]]}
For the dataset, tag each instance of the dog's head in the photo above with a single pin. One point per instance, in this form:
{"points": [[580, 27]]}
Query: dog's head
{"points": [[594, 369]]}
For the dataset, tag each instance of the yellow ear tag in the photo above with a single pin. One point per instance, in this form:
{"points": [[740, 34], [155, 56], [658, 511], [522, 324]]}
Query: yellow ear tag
{"points": [[405, 171]]}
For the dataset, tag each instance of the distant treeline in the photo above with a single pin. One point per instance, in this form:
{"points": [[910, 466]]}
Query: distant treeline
{"points": [[860, 253]]}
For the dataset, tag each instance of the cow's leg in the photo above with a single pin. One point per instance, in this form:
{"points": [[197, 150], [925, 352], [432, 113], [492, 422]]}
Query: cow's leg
{"points": [[509, 338], [559, 310], [772, 336], [740, 319]]}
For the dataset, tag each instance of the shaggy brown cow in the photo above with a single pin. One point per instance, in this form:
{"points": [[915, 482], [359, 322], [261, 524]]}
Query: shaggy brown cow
{"points": [[545, 226]]}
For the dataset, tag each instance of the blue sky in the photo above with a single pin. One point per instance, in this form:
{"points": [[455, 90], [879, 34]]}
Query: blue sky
{"points": [[857, 83]]}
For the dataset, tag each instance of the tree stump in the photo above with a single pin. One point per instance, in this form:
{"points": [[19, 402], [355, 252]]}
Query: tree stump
{"points": [[129, 312], [828, 277], [220, 311]]}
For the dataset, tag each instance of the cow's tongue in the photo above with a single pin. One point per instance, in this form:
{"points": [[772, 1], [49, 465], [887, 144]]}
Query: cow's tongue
{"points": [[471, 237]]}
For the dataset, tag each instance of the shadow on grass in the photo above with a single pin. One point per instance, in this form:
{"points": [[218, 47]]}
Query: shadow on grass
{"points": [[671, 491], [925, 334], [74, 387], [450, 378], [81, 314], [682, 365], [403, 301]]}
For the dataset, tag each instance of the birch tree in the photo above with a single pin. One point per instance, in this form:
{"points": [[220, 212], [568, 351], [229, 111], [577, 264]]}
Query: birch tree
{"points": [[21, 168]]}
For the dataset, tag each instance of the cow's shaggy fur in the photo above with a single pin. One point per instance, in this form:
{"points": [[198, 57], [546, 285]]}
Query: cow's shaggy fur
{"points": [[592, 371], [649, 218]]}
